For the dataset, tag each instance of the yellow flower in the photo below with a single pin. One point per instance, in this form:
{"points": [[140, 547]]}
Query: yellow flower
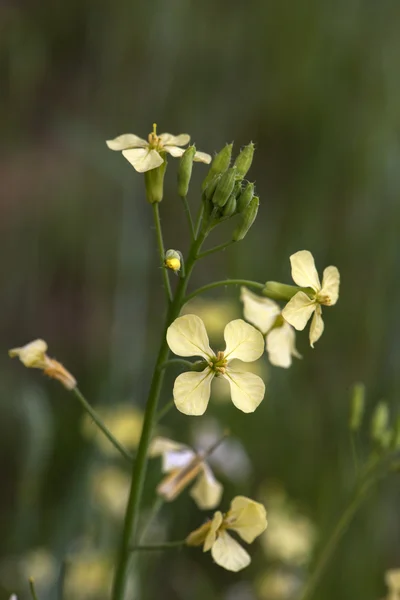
{"points": [[280, 338], [392, 580], [183, 465], [123, 420], [299, 309], [34, 356], [145, 155], [187, 336], [246, 517], [110, 490]]}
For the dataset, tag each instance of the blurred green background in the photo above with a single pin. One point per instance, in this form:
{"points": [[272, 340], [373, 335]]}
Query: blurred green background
{"points": [[316, 86]]}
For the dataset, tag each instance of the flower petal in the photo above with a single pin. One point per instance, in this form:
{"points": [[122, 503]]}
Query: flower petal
{"points": [[32, 355], [168, 139], [202, 157], [259, 311], [125, 141], [187, 336], [228, 554], [207, 491], [330, 284], [174, 151], [143, 159], [247, 517], [174, 454], [281, 346], [247, 390], [212, 534], [198, 536], [160, 445], [243, 341], [298, 310], [178, 479], [317, 326], [192, 392], [304, 272]]}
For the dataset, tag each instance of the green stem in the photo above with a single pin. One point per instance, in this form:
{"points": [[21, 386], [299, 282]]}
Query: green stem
{"points": [[165, 410], [123, 451], [199, 221], [161, 249], [140, 464], [158, 504], [176, 361], [189, 217], [216, 249], [32, 589], [224, 282], [158, 547]]}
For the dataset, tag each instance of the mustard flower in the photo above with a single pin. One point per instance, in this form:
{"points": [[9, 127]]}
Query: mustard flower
{"points": [[392, 580]]}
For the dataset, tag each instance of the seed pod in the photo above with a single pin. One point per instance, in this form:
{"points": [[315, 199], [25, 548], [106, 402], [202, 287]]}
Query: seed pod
{"points": [[224, 188], [245, 197], [220, 163], [244, 160], [154, 182], [185, 171], [380, 422], [247, 219], [230, 207], [357, 406]]}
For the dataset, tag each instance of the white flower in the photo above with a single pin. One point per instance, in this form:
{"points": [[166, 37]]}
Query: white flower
{"points": [[145, 155], [299, 309], [183, 465], [280, 338], [187, 336], [246, 517]]}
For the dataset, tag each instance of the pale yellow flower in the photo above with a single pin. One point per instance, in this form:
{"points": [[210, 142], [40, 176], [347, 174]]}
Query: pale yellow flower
{"points": [[280, 337], [299, 309], [183, 466], [278, 584], [187, 336], [88, 576], [246, 517], [110, 489], [123, 420], [146, 155], [34, 356], [215, 313], [392, 580]]}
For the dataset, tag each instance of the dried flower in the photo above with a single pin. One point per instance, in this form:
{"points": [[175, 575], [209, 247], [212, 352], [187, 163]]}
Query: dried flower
{"points": [[34, 356]]}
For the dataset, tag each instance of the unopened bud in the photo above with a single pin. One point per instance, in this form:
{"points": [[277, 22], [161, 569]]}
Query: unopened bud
{"points": [[245, 197], [185, 171], [224, 188], [379, 422], [220, 163], [357, 405], [244, 160], [247, 219], [282, 291], [230, 207], [154, 182], [173, 260]]}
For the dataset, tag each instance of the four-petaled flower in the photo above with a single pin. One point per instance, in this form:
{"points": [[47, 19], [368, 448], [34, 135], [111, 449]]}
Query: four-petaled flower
{"points": [[183, 466], [187, 336], [245, 516], [280, 337], [299, 309], [146, 155]]}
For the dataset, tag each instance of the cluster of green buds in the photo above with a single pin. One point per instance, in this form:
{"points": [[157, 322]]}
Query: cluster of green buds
{"points": [[226, 192]]}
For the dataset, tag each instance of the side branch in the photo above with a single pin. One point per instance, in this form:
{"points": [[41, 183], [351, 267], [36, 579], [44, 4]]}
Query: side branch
{"points": [[223, 283]]}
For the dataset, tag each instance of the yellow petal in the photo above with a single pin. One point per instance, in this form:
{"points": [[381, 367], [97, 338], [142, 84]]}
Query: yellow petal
{"points": [[298, 310], [247, 517], [304, 272], [187, 336], [207, 491], [259, 311], [281, 346], [247, 390], [33, 355], [160, 445], [143, 159], [243, 341], [392, 580], [228, 554], [198, 536], [330, 285], [192, 392], [202, 157], [125, 141], [317, 326], [212, 533], [168, 139], [174, 151]]}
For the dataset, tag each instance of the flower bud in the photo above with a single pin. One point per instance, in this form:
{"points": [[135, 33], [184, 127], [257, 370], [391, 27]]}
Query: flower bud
{"points": [[185, 171], [230, 207], [244, 160], [357, 405], [245, 197], [224, 188], [282, 291], [247, 219], [220, 163], [173, 260], [379, 423], [154, 181]]}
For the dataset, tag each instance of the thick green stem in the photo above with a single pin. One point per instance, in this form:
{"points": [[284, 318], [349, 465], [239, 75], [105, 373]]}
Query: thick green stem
{"points": [[140, 464], [161, 250], [224, 282]]}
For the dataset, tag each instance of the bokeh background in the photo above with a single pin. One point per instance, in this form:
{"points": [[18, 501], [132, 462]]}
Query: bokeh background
{"points": [[316, 86]]}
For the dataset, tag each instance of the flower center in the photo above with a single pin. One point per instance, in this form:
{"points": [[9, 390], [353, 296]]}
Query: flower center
{"points": [[218, 364], [154, 141], [324, 299]]}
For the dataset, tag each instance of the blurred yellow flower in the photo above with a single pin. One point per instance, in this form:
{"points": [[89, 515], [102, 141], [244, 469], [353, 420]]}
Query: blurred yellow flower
{"points": [[299, 309], [145, 155], [187, 336], [280, 337], [88, 577], [215, 313], [123, 420], [392, 580], [110, 490], [34, 356], [246, 517], [183, 466], [277, 584]]}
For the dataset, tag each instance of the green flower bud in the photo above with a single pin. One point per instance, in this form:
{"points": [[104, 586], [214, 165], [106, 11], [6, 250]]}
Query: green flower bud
{"points": [[208, 193], [282, 291], [185, 171], [220, 163], [224, 188], [380, 422], [244, 160], [230, 207], [245, 197], [357, 406], [247, 219], [154, 182]]}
